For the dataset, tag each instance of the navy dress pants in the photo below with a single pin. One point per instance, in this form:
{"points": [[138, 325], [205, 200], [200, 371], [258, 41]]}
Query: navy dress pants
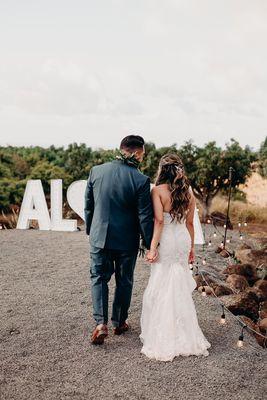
{"points": [[104, 262]]}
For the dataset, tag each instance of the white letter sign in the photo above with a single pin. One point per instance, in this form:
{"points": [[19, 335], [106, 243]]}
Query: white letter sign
{"points": [[34, 207], [57, 222]]}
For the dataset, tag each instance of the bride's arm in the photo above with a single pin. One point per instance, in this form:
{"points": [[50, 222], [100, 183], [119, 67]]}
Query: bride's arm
{"points": [[190, 225], [158, 224]]}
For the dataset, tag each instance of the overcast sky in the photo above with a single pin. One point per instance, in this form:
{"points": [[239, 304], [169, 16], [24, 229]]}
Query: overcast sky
{"points": [[95, 71]]}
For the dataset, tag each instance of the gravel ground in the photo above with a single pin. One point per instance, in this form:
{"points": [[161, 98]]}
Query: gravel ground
{"points": [[45, 353]]}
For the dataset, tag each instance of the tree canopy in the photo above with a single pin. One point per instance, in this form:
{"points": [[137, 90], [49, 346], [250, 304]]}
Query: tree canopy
{"points": [[207, 167]]}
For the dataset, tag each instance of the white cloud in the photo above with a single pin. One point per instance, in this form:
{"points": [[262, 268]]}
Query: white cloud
{"points": [[196, 68]]}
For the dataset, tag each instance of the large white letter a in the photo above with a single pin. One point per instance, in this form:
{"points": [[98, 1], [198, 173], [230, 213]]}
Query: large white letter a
{"points": [[34, 207]]}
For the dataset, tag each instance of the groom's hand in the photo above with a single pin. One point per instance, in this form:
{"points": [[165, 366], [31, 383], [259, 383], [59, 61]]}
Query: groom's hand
{"points": [[152, 255]]}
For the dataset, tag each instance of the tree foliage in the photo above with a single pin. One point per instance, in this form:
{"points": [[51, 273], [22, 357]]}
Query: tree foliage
{"points": [[207, 167]]}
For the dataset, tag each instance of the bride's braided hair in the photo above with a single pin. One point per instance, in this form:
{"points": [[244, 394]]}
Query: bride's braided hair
{"points": [[171, 171]]}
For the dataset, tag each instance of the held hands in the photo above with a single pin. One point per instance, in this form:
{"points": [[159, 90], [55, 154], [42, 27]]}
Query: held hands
{"points": [[152, 255], [191, 257]]}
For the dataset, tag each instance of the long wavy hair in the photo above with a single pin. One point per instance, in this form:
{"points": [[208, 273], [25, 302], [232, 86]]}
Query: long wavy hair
{"points": [[171, 171]]}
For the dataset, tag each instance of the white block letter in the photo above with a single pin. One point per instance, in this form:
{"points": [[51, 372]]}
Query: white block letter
{"points": [[57, 222], [75, 196], [34, 207]]}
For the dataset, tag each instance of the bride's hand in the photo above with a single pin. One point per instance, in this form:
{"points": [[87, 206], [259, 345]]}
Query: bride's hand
{"points": [[191, 257], [152, 255]]}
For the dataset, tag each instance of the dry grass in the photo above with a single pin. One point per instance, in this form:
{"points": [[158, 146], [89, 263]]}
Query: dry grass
{"points": [[240, 211]]}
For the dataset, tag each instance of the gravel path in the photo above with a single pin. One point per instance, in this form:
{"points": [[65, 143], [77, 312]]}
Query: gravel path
{"points": [[45, 313]]}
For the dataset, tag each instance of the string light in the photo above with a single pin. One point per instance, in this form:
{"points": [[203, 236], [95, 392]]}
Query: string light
{"points": [[222, 320], [240, 341], [196, 268]]}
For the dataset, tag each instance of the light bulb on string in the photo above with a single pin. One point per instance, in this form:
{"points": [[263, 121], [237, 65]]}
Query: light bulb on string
{"points": [[204, 262], [228, 240], [239, 224], [221, 245], [240, 342], [203, 292], [245, 224], [208, 221], [214, 234], [222, 320], [224, 226], [196, 268], [241, 236], [209, 242]]}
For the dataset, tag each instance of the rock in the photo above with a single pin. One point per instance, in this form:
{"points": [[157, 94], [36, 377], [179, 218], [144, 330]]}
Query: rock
{"points": [[200, 289], [221, 290], [247, 270], [249, 256], [199, 281], [261, 341], [237, 282], [245, 303], [219, 219], [263, 309], [224, 253], [243, 255], [261, 284], [14, 331], [209, 290], [263, 325], [257, 291]]}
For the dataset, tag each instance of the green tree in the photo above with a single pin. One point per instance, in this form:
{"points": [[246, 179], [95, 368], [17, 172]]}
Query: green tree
{"points": [[77, 160], [208, 168], [152, 158], [46, 171]]}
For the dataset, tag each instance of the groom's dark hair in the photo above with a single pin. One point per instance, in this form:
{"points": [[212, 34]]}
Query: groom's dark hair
{"points": [[132, 142]]}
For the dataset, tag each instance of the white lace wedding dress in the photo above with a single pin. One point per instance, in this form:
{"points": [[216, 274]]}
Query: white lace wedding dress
{"points": [[169, 324]]}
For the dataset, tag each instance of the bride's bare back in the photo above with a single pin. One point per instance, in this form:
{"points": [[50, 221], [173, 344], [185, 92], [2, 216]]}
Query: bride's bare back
{"points": [[161, 197]]}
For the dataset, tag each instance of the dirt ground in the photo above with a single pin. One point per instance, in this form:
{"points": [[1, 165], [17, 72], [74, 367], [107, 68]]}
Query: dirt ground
{"points": [[45, 352]]}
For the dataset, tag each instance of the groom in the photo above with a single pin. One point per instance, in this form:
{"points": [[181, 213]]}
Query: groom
{"points": [[118, 209]]}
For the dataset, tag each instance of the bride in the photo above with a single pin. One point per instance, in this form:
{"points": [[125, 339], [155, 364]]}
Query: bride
{"points": [[169, 324]]}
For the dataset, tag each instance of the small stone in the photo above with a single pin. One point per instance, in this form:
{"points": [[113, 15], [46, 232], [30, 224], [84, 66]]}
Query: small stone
{"points": [[14, 331]]}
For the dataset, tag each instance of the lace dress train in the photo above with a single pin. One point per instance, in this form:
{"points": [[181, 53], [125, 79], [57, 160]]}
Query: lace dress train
{"points": [[169, 324]]}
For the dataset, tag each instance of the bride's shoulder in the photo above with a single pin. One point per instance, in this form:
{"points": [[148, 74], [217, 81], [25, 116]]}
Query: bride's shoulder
{"points": [[159, 189]]}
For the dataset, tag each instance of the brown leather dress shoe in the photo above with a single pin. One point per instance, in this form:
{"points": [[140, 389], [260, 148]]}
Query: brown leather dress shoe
{"points": [[99, 334], [121, 329]]}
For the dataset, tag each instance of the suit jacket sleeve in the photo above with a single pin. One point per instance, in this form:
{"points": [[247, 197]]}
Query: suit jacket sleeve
{"points": [[145, 213], [89, 203]]}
